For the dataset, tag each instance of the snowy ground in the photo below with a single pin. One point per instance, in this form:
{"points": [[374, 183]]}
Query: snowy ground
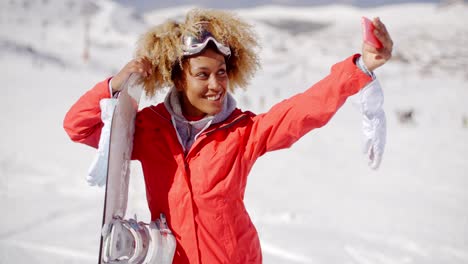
{"points": [[317, 202]]}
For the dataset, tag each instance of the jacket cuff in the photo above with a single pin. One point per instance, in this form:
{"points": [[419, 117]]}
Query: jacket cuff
{"points": [[361, 65], [102, 88], [111, 92], [358, 78]]}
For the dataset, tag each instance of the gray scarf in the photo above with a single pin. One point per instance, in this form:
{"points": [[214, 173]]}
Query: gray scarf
{"points": [[188, 131]]}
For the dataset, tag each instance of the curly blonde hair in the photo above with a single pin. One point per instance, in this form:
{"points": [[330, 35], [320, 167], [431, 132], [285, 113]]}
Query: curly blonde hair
{"points": [[162, 45]]}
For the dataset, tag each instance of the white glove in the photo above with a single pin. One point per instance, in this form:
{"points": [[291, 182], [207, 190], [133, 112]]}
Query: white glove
{"points": [[97, 173], [374, 126]]}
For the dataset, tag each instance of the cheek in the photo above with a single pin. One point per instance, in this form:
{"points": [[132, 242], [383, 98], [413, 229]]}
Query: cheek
{"points": [[194, 89], [193, 96]]}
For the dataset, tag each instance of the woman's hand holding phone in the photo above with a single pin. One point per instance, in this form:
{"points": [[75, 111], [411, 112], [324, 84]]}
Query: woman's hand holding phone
{"points": [[377, 44]]}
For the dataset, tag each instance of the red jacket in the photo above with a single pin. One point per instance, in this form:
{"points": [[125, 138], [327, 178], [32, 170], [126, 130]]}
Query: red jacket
{"points": [[202, 193]]}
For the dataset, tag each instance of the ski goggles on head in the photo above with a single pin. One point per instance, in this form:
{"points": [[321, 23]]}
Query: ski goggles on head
{"points": [[192, 45]]}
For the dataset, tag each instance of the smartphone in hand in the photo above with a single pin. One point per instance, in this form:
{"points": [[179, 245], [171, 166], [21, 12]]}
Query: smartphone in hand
{"points": [[368, 33]]}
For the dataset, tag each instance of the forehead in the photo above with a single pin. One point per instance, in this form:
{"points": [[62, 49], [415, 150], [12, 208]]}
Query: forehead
{"points": [[208, 58]]}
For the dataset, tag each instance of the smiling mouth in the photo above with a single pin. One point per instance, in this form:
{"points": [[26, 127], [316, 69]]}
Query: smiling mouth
{"points": [[214, 97]]}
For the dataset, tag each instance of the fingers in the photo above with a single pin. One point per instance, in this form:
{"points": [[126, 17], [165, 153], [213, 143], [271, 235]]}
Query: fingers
{"points": [[382, 34], [142, 66]]}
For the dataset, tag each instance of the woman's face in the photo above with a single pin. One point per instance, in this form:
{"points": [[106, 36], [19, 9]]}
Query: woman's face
{"points": [[206, 83]]}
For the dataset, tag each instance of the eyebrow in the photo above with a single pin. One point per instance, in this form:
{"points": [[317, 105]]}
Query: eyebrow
{"points": [[206, 68]]}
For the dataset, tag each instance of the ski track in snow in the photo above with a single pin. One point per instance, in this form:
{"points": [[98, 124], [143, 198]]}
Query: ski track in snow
{"points": [[49, 249], [364, 256], [290, 256]]}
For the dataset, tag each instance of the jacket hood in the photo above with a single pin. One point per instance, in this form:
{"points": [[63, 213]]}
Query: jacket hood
{"points": [[188, 131]]}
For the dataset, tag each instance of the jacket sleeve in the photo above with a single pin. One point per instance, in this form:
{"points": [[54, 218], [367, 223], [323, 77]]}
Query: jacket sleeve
{"points": [[83, 122], [290, 119]]}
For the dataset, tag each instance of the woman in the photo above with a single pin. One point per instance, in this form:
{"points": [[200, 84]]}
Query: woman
{"points": [[196, 149]]}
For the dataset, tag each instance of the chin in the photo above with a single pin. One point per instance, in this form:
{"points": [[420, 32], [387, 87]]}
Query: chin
{"points": [[214, 108], [213, 112]]}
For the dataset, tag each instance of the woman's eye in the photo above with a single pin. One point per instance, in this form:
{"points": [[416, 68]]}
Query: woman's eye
{"points": [[222, 72], [201, 75]]}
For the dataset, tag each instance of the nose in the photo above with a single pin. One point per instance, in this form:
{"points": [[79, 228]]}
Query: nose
{"points": [[214, 84]]}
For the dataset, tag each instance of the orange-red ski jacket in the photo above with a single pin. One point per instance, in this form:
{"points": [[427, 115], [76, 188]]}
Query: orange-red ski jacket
{"points": [[202, 192]]}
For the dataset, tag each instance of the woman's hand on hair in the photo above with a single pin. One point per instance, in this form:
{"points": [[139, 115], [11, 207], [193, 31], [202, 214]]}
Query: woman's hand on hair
{"points": [[141, 66], [372, 57]]}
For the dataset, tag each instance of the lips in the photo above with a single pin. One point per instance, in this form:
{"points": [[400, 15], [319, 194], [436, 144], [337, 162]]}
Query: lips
{"points": [[214, 97]]}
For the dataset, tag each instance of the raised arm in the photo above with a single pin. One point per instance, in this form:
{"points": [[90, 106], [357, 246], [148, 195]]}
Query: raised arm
{"points": [[83, 121], [289, 120]]}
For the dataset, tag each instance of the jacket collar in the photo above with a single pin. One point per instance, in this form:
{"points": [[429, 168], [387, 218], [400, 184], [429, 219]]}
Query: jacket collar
{"points": [[188, 131]]}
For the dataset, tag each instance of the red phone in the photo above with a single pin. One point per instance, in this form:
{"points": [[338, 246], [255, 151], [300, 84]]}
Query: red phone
{"points": [[368, 33]]}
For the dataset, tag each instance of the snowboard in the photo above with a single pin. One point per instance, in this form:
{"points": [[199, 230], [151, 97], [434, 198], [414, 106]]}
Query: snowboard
{"points": [[128, 241], [119, 154]]}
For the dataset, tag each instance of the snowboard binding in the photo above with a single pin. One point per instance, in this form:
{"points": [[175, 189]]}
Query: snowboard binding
{"points": [[133, 242]]}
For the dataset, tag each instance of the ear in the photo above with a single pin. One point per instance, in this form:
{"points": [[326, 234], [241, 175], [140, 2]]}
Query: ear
{"points": [[179, 82], [178, 75], [178, 86]]}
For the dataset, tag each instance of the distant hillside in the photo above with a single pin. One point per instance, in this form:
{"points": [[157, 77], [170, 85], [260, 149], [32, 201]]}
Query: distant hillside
{"points": [[38, 29], [144, 5]]}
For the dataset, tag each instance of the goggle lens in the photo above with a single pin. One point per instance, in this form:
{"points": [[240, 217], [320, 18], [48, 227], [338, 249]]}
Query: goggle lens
{"points": [[193, 45]]}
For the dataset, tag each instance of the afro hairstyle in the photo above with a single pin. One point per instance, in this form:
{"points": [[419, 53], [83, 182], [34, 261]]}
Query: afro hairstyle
{"points": [[162, 45]]}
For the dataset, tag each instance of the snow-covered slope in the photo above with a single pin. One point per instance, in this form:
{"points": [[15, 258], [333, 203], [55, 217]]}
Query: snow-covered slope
{"points": [[55, 31], [317, 202]]}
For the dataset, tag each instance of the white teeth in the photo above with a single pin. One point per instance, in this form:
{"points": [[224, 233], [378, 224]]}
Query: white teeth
{"points": [[214, 98]]}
